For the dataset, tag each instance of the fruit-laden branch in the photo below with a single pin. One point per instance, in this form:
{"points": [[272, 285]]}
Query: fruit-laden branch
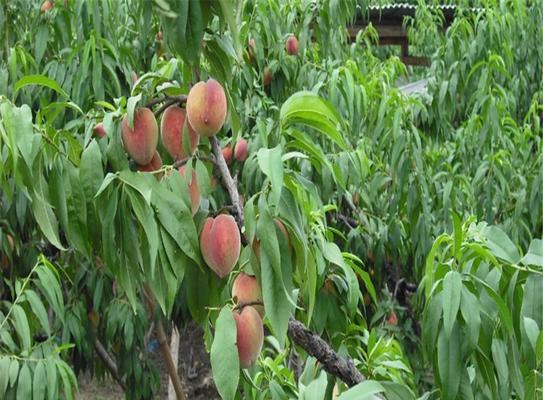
{"points": [[333, 363], [108, 362]]}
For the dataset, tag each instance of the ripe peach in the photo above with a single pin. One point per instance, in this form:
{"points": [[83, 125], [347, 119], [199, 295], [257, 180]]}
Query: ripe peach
{"points": [[220, 244], [4, 260], [291, 45], [46, 6], [155, 164], [250, 335], [99, 130], [251, 48], [246, 289], [267, 77], [140, 143], [172, 128], [206, 107], [134, 77], [392, 319], [227, 154], [194, 190], [241, 151]]}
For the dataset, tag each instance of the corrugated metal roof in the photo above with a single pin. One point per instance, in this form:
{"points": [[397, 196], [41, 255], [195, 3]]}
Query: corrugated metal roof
{"points": [[398, 11], [414, 87]]}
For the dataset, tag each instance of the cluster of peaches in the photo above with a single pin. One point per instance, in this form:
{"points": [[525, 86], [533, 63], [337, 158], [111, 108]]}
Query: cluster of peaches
{"points": [[220, 240]]}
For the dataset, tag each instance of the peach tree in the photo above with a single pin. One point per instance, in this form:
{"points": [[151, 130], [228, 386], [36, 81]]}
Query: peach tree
{"points": [[248, 167]]}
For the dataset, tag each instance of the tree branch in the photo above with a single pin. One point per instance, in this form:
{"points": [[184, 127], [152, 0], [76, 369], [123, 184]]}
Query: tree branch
{"points": [[332, 362], [108, 362], [163, 344], [227, 180], [168, 101]]}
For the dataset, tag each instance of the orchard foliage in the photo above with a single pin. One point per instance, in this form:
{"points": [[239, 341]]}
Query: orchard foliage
{"points": [[114, 201]]}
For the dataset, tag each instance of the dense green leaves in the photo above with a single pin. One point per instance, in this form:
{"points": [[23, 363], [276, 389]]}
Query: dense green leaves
{"points": [[309, 109], [484, 334], [224, 355]]}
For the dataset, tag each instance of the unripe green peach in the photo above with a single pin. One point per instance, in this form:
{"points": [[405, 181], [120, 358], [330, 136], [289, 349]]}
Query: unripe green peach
{"points": [[172, 128], [250, 335], [194, 190], [141, 142], [241, 151], [220, 244], [246, 289], [291, 45], [206, 107]]}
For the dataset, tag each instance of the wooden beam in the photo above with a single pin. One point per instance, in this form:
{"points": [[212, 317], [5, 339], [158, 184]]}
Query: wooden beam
{"points": [[412, 60]]}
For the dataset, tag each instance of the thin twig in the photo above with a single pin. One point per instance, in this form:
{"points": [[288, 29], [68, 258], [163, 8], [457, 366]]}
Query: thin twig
{"points": [[108, 362], [168, 101], [241, 305], [177, 99]]}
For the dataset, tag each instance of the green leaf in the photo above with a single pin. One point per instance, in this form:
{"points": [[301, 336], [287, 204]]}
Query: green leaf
{"points": [[67, 377], [274, 293], [50, 287], [4, 374], [532, 331], [397, 391], [40, 80], [532, 301], [308, 108], [142, 183], [20, 322], [534, 256], [40, 43], [24, 384], [271, 164], [38, 309], [40, 381], [457, 234], [18, 123], [332, 253], [224, 355], [500, 244], [110, 177], [90, 169], [362, 391], [501, 363], [13, 371], [316, 389], [52, 382], [452, 290], [144, 214], [183, 33], [449, 361], [471, 312], [130, 109], [45, 217]]}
